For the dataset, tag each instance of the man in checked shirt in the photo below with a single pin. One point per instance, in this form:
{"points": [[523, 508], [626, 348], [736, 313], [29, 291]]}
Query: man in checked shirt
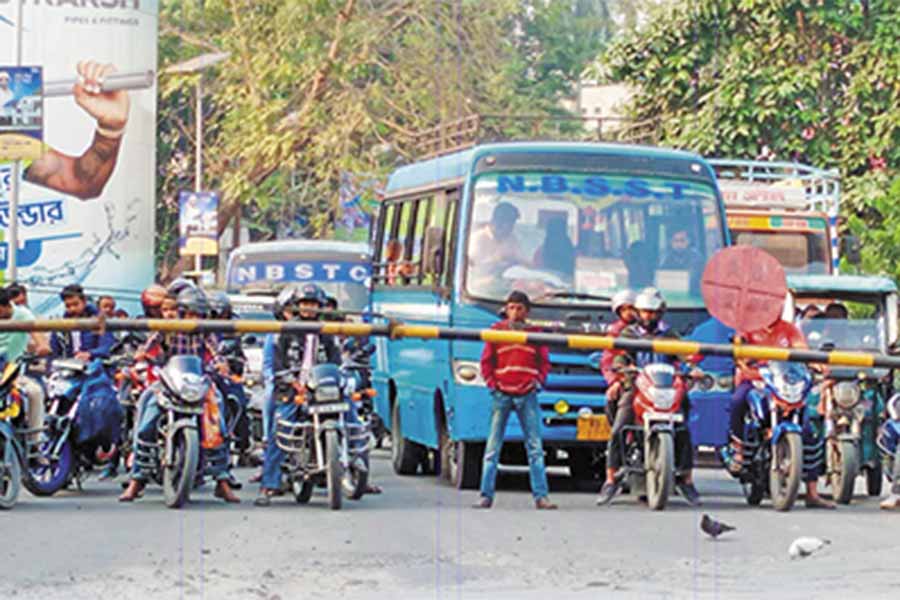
{"points": [[192, 304]]}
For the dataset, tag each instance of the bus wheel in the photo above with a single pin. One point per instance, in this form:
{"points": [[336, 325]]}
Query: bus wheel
{"points": [[465, 465], [405, 455]]}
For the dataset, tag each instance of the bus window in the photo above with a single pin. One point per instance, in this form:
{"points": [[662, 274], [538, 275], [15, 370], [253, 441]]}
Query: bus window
{"points": [[384, 238], [450, 237]]}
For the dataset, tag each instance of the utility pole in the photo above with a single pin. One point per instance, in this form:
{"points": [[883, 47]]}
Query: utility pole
{"points": [[12, 244]]}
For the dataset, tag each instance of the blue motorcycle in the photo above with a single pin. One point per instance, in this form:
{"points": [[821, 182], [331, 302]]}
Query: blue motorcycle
{"points": [[82, 425], [888, 442], [773, 435]]}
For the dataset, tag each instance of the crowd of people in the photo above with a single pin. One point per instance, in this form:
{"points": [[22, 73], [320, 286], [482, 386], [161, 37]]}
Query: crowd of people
{"points": [[182, 299]]}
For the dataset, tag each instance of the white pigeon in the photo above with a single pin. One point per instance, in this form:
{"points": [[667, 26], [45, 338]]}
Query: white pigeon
{"points": [[806, 546]]}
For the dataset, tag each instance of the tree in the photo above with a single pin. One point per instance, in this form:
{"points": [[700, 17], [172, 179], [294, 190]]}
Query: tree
{"points": [[812, 81]]}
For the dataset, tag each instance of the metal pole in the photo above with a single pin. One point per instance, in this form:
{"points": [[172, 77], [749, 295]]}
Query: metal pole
{"points": [[12, 244], [198, 160]]}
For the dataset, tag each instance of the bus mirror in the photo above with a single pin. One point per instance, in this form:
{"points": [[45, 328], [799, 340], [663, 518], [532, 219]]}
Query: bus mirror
{"points": [[434, 250], [850, 249]]}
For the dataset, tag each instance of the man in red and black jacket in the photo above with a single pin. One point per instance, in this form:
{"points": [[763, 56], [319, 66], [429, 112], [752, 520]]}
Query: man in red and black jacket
{"points": [[513, 372]]}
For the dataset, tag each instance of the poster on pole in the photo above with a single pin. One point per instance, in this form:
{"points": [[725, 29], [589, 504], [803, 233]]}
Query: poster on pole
{"points": [[87, 200], [21, 113], [198, 221]]}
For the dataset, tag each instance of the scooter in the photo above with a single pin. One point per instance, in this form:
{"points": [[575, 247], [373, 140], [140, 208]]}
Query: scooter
{"points": [[888, 442]]}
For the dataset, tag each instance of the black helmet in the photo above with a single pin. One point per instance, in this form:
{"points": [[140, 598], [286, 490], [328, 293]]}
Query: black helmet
{"points": [[180, 284], [220, 305], [192, 299], [311, 292], [286, 297]]}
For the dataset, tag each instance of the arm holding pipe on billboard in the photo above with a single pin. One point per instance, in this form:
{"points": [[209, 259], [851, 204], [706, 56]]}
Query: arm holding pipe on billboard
{"points": [[103, 95], [396, 330]]}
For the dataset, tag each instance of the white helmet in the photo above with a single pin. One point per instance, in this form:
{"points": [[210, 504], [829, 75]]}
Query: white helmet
{"points": [[893, 407], [622, 298], [650, 298]]}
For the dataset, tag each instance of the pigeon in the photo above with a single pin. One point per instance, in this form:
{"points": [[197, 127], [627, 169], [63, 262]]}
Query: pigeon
{"points": [[713, 528], [806, 546]]}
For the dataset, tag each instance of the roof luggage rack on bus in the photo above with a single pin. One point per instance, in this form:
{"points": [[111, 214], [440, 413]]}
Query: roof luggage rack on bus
{"points": [[464, 133], [768, 185]]}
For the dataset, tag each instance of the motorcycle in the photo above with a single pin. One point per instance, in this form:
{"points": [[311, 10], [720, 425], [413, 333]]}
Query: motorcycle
{"points": [[13, 453], [132, 379], [321, 444], [82, 424], [888, 443], [357, 372], [850, 402], [236, 403], [773, 445], [649, 448], [175, 457]]}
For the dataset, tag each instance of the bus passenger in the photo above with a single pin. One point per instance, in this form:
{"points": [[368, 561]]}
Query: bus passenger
{"points": [[494, 248]]}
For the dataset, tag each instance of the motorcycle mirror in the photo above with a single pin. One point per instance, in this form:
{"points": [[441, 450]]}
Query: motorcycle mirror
{"points": [[250, 340], [594, 360]]}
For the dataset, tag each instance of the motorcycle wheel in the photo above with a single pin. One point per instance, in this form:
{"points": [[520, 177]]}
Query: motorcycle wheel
{"points": [[754, 493], [10, 475], [874, 479], [178, 477], [843, 467], [334, 470], [786, 470], [47, 479], [660, 468], [302, 491], [355, 483]]}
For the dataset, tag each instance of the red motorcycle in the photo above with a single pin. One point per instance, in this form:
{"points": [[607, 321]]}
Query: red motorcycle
{"points": [[649, 443], [132, 379]]}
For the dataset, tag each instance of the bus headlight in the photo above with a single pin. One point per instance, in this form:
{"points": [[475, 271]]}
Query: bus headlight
{"points": [[467, 372], [561, 407]]}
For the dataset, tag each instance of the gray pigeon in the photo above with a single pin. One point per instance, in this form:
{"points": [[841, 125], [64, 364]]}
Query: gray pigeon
{"points": [[713, 528], [806, 546]]}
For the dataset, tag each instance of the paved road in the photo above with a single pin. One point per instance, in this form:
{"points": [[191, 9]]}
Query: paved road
{"points": [[422, 540]]}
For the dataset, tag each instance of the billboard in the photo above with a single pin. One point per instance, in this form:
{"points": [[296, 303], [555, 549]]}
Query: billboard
{"points": [[21, 113], [86, 204], [198, 219]]}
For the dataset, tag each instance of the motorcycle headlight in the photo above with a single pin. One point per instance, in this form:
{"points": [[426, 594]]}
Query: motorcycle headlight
{"points": [[726, 382], [193, 388], [327, 393], [662, 398], [846, 394], [790, 392]]}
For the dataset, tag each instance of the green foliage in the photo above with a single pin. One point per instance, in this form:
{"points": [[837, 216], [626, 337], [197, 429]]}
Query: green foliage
{"points": [[315, 88], [816, 81]]}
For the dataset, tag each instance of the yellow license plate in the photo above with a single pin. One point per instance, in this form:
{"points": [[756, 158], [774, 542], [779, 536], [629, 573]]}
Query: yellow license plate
{"points": [[593, 428]]}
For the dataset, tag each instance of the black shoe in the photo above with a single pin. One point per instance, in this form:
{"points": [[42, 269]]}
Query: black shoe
{"points": [[607, 493], [689, 493], [233, 482]]}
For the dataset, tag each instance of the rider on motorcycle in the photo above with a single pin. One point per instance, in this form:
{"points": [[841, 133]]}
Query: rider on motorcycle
{"points": [[289, 350], [651, 307], [626, 314], [785, 335], [83, 345], [192, 304], [220, 308]]}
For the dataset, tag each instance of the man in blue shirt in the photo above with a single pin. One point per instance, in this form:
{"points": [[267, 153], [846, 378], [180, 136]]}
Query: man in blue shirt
{"points": [[83, 345]]}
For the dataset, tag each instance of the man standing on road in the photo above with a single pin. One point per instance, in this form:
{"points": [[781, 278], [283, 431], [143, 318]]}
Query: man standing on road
{"points": [[514, 372]]}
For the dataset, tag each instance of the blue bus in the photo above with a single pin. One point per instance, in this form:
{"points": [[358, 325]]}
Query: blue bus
{"points": [[570, 224]]}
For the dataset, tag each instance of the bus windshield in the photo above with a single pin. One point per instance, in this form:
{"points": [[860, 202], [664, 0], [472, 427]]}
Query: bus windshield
{"points": [[579, 238], [800, 253]]}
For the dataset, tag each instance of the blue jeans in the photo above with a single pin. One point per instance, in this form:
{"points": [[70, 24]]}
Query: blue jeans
{"points": [[268, 412], [215, 458], [529, 413]]}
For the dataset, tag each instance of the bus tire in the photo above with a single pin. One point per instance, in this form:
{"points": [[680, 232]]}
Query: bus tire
{"points": [[465, 465], [405, 455]]}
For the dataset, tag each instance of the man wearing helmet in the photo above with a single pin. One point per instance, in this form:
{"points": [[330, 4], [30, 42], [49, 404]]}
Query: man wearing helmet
{"points": [[650, 306], [192, 304], [289, 350], [626, 314]]}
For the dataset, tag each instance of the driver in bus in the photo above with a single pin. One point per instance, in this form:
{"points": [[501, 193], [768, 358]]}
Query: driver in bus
{"points": [[683, 256], [494, 248]]}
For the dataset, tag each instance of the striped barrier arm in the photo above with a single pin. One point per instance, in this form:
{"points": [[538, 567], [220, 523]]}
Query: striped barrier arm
{"points": [[398, 330]]}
